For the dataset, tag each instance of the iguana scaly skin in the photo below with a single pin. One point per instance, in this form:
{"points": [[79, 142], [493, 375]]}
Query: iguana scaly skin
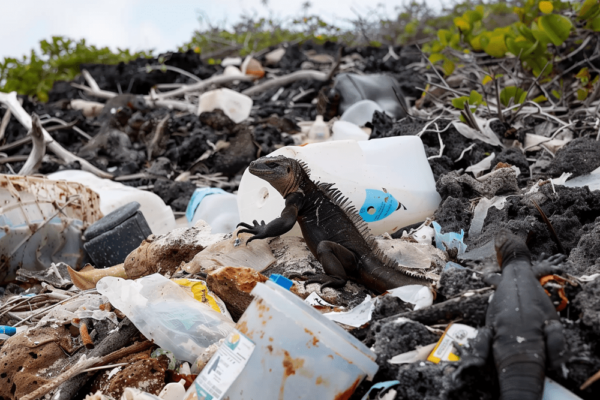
{"points": [[522, 326], [332, 229]]}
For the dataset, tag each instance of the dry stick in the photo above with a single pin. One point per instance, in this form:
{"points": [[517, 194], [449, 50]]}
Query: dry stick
{"points": [[13, 104], [498, 103], [170, 68], [434, 69], [39, 148], [529, 90], [553, 234], [66, 125], [590, 380], [159, 132], [215, 80], [284, 80], [4, 123]]}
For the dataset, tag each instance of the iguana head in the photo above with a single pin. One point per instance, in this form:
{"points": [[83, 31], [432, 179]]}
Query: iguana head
{"points": [[284, 174], [510, 247]]}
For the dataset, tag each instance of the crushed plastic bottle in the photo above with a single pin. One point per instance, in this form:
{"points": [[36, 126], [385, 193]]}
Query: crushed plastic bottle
{"points": [[165, 313], [389, 181]]}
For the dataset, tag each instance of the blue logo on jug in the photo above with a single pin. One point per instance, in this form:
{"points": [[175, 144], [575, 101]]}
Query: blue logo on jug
{"points": [[201, 393], [378, 205]]}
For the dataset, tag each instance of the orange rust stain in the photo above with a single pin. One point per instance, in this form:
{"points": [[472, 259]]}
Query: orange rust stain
{"points": [[243, 327], [270, 348], [270, 339], [315, 341], [319, 380], [345, 395], [290, 365], [330, 356]]}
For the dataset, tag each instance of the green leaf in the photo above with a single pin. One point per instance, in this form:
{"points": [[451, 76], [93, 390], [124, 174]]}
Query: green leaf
{"points": [[526, 32], [435, 57], [546, 7], [582, 94], [486, 79], [556, 27], [589, 9], [444, 36], [594, 24], [520, 46], [539, 34], [555, 93], [472, 16], [475, 98], [512, 92], [496, 46], [459, 102], [448, 67], [540, 99], [462, 24]]}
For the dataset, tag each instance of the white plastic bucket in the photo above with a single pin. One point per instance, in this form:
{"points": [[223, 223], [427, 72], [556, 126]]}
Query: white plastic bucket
{"points": [[297, 354]]}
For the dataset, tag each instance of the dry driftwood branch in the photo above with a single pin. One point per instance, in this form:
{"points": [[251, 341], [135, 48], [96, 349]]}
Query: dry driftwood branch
{"points": [[82, 364], [4, 123], [104, 353], [159, 133], [39, 148], [10, 100], [16, 143], [284, 80], [215, 80]]}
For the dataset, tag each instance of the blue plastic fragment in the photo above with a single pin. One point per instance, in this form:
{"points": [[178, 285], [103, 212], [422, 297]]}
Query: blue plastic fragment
{"points": [[451, 240], [380, 385], [281, 281], [450, 265], [7, 330], [196, 199]]}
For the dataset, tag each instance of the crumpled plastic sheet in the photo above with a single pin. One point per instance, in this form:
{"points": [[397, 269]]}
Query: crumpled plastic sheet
{"points": [[481, 212], [451, 240], [85, 306]]}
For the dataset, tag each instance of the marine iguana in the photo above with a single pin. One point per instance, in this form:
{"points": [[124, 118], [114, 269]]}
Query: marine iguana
{"points": [[522, 326], [333, 230]]}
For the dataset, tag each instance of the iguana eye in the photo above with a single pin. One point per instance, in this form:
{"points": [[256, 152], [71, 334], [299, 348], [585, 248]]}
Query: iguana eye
{"points": [[272, 165]]}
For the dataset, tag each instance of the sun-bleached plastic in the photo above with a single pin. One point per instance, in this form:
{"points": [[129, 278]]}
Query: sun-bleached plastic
{"points": [[235, 105], [298, 353], [216, 207], [389, 181], [344, 130], [319, 131], [114, 195], [361, 112], [167, 314], [42, 222]]}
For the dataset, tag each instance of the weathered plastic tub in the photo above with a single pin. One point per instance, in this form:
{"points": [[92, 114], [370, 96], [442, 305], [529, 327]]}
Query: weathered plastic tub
{"points": [[298, 354]]}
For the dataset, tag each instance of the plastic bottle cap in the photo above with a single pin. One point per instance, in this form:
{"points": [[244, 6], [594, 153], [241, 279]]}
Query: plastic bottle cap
{"points": [[281, 281], [9, 330]]}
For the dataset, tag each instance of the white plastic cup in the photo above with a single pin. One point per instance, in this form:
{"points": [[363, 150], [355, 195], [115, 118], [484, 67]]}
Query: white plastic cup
{"points": [[389, 181], [298, 354]]}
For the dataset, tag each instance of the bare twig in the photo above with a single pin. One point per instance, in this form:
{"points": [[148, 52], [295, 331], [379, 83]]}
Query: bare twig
{"points": [[529, 90], [159, 133], [214, 80], [13, 104], [284, 80], [66, 125], [39, 148], [170, 68]]}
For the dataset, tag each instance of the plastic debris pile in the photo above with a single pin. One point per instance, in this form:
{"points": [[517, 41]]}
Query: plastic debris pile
{"points": [[124, 273]]}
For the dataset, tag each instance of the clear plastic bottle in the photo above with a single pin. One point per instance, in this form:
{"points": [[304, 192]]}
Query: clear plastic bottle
{"points": [[319, 131]]}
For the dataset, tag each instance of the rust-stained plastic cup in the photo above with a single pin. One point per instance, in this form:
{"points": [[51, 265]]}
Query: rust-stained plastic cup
{"points": [[284, 349]]}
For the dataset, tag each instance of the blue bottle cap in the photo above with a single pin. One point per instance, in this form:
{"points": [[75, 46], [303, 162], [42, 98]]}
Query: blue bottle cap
{"points": [[8, 330], [281, 281]]}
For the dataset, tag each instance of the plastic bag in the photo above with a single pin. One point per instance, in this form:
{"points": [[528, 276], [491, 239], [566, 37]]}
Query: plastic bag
{"points": [[165, 313]]}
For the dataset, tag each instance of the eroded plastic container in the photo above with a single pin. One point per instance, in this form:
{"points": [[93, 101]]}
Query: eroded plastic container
{"points": [[114, 195], [235, 105], [343, 130], [389, 181], [293, 353], [361, 112]]}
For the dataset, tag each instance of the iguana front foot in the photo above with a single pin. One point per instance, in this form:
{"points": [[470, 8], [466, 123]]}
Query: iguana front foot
{"points": [[258, 230], [549, 266], [327, 281]]}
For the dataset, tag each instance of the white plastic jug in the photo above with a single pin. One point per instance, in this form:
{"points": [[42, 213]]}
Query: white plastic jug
{"points": [[389, 181], [235, 105], [284, 349], [114, 195], [343, 130], [214, 206]]}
